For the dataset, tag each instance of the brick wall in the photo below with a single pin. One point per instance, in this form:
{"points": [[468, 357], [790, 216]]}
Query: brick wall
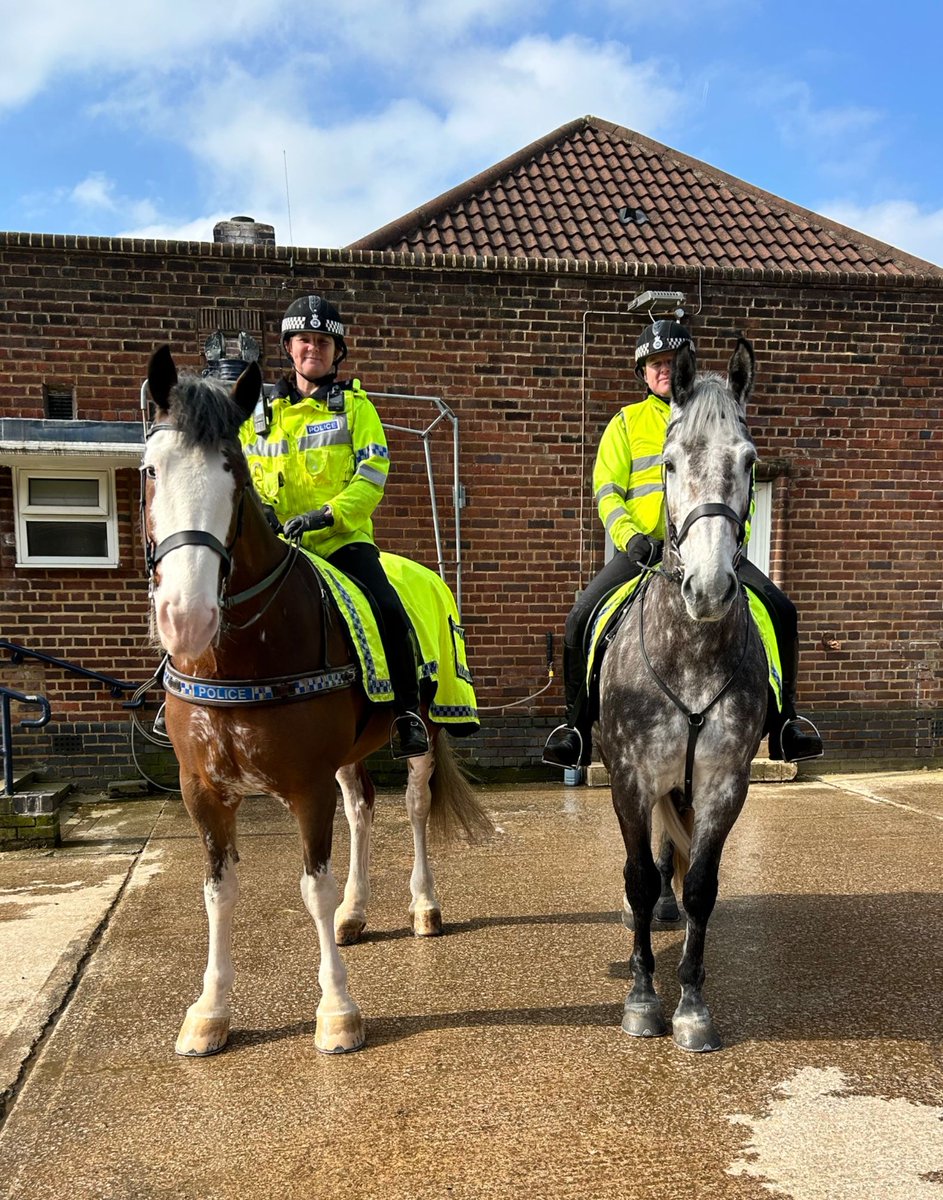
{"points": [[532, 358]]}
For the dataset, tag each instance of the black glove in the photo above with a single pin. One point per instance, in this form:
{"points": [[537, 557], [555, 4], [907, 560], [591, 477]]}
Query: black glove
{"points": [[644, 549], [318, 518], [272, 517]]}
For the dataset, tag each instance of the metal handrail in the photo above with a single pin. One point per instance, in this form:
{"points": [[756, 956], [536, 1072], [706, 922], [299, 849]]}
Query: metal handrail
{"points": [[18, 653], [6, 695]]}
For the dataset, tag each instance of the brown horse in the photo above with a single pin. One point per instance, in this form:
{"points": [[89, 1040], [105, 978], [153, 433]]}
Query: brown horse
{"points": [[264, 695]]}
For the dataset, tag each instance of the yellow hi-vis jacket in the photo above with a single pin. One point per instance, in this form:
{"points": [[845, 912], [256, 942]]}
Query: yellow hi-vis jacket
{"points": [[315, 454], [627, 480]]}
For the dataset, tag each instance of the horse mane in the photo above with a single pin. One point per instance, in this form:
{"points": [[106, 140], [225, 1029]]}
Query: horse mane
{"points": [[710, 403], [202, 411]]}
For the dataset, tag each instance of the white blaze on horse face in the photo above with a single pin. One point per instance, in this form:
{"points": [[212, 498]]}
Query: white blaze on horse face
{"points": [[192, 490]]}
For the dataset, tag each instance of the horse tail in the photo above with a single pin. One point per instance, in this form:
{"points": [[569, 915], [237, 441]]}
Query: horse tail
{"points": [[454, 803], [678, 829]]}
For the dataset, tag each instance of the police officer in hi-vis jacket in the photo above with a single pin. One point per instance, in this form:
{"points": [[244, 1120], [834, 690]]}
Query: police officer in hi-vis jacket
{"points": [[627, 484], [320, 468]]}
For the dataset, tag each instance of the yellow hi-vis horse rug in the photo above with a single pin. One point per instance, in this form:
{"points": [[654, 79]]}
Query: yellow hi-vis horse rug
{"points": [[430, 606], [615, 603]]}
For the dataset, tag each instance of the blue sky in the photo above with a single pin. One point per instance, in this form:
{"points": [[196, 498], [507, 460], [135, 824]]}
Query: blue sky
{"points": [[157, 118]]}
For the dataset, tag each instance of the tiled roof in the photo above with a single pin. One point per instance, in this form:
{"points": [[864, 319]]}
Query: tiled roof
{"points": [[592, 190]]}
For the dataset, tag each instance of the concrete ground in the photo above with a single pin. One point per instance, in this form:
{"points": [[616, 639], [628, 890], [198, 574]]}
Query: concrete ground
{"points": [[495, 1066]]}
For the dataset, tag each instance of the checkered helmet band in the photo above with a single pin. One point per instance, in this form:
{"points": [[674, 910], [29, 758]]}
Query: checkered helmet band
{"points": [[662, 337], [312, 313]]}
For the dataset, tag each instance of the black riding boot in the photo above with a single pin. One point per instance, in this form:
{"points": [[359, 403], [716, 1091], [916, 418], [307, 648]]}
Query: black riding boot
{"points": [[795, 739], [571, 744], [408, 736]]}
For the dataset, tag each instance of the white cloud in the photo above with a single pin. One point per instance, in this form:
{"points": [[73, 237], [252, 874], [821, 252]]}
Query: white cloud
{"points": [[95, 191], [898, 222], [47, 39], [97, 194], [538, 83]]}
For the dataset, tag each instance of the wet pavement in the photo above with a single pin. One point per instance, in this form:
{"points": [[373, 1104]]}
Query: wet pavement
{"points": [[494, 1065]]}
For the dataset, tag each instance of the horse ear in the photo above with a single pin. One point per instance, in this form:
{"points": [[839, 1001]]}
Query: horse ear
{"points": [[742, 371], [161, 377], [247, 389], [683, 373]]}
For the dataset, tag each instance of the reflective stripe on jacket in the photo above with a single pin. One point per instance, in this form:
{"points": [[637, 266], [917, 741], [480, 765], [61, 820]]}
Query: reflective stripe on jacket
{"points": [[313, 456], [627, 480]]}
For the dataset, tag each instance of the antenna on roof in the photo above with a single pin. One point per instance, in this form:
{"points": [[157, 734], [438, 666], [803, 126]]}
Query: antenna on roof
{"points": [[658, 304], [291, 236]]}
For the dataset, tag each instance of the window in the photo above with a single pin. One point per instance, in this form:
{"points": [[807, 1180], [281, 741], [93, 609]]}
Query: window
{"points": [[65, 518], [761, 526]]}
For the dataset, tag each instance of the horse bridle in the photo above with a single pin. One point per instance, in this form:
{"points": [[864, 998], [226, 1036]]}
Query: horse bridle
{"points": [[155, 551], [713, 508]]}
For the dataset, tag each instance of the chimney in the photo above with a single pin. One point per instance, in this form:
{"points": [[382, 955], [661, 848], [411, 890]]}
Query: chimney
{"points": [[244, 231]]}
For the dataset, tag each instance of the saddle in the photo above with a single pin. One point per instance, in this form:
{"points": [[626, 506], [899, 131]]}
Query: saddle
{"points": [[612, 610], [444, 677]]}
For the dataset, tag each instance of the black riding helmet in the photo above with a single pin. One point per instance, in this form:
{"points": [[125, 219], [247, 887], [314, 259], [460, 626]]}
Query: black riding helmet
{"points": [[314, 314], [658, 338]]}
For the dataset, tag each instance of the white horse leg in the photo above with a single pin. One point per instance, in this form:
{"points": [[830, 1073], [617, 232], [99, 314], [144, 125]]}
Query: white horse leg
{"points": [[205, 1028], [351, 917], [339, 1024], [424, 906]]}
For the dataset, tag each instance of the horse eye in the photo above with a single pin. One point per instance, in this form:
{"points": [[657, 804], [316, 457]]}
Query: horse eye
{"points": [[669, 466], [151, 472]]}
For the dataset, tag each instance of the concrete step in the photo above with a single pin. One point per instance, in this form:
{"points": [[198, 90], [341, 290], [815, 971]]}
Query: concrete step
{"points": [[763, 770], [32, 798], [30, 816]]}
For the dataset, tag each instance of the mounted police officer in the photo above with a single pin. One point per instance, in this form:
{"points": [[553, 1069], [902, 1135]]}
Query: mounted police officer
{"points": [[627, 484], [320, 467]]}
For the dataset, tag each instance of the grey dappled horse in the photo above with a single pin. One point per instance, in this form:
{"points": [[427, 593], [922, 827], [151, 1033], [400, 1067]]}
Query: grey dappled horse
{"points": [[683, 687]]}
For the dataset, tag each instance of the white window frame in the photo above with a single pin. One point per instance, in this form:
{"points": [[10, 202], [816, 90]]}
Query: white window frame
{"points": [[105, 513], [761, 526]]}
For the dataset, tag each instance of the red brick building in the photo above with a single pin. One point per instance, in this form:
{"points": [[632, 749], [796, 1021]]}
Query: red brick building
{"points": [[509, 300]]}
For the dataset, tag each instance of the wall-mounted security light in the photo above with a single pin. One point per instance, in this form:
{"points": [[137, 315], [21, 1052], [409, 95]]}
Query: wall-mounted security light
{"points": [[658, 304]]}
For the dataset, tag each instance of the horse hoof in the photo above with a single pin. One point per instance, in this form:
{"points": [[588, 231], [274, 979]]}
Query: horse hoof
{"points": [[427, 922], [643, 1021], [667, 911], [339, 1033], [199, 1037], [659, 920], [695, 1034], [347, 933]]}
